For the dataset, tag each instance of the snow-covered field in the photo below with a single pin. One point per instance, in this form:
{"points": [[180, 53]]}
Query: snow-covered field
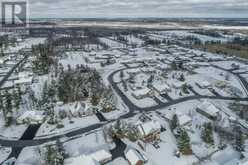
{"points": [[26, 43], [203, 38]]}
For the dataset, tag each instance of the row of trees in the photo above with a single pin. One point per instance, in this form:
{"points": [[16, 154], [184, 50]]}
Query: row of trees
{"points": [[10, 102], [5, 42], [44, 58]]}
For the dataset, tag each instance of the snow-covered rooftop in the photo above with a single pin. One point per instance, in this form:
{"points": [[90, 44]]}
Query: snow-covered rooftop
{"points": [[149, 127], [184, 119], [133, 156], [209, 108], [101, 155]]}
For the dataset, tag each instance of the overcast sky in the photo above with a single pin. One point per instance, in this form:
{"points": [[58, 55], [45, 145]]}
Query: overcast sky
{"points": [[137, 8]]}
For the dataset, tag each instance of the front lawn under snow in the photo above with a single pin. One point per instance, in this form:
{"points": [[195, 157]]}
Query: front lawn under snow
{"points": [[69, 125]]}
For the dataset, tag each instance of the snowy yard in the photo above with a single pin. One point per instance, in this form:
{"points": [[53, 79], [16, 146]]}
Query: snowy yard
{"points": [[69, 125], [87, 144]]}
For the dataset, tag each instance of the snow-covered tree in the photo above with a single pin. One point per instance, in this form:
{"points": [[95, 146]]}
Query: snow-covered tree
{"points": [[239, 140], [184, 143], [207, 133], [174, 122]]}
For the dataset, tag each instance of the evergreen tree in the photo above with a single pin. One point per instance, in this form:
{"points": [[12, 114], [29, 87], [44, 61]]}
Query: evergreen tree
{"points": [[53, 157], [185, 88], [94, 100], [184, 143], [2, 53], [239, 140], [174, 122], [182, 78], [61, 148], [174, 65], [17, 99], [121, 74], [8, 108], [2, 109], [207, 133]]}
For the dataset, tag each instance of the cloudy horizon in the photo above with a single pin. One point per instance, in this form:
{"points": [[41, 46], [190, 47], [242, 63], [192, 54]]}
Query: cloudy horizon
{"points": [[138, 8]]}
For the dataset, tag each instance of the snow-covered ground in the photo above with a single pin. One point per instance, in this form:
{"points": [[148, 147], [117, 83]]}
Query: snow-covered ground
{"points": [[4, 153], [11, 132], [69, 125], [87, 144], [30, 155], [166, 150]]}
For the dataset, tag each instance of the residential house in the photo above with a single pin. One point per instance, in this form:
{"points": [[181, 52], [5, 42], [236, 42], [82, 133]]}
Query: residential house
{"points": [[204, 84], [184, 120], [208, 110], [142, 93], [149, 131], [161, 88], [178, 85], [135, 158], [31, 117], [80, 109], [101, 156]]}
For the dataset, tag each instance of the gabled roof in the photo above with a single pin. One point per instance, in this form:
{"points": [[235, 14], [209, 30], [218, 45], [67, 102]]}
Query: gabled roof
{"points": [[209, 108], [149, 127], [184, 119], [133, 156], [101, 155]]}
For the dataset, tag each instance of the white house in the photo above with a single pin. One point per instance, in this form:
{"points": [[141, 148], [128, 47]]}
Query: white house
{"points": [[141, 93], [178, 85], [204, 84], [208, 109], [184, 120], [150, 131], [134, 158], [101, 156], [31, 117], [161, 88], [80, 109]]}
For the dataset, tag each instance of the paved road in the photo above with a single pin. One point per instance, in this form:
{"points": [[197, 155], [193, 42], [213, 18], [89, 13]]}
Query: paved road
{"points": [[35, 142], [29, 134], [119, 150]]}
